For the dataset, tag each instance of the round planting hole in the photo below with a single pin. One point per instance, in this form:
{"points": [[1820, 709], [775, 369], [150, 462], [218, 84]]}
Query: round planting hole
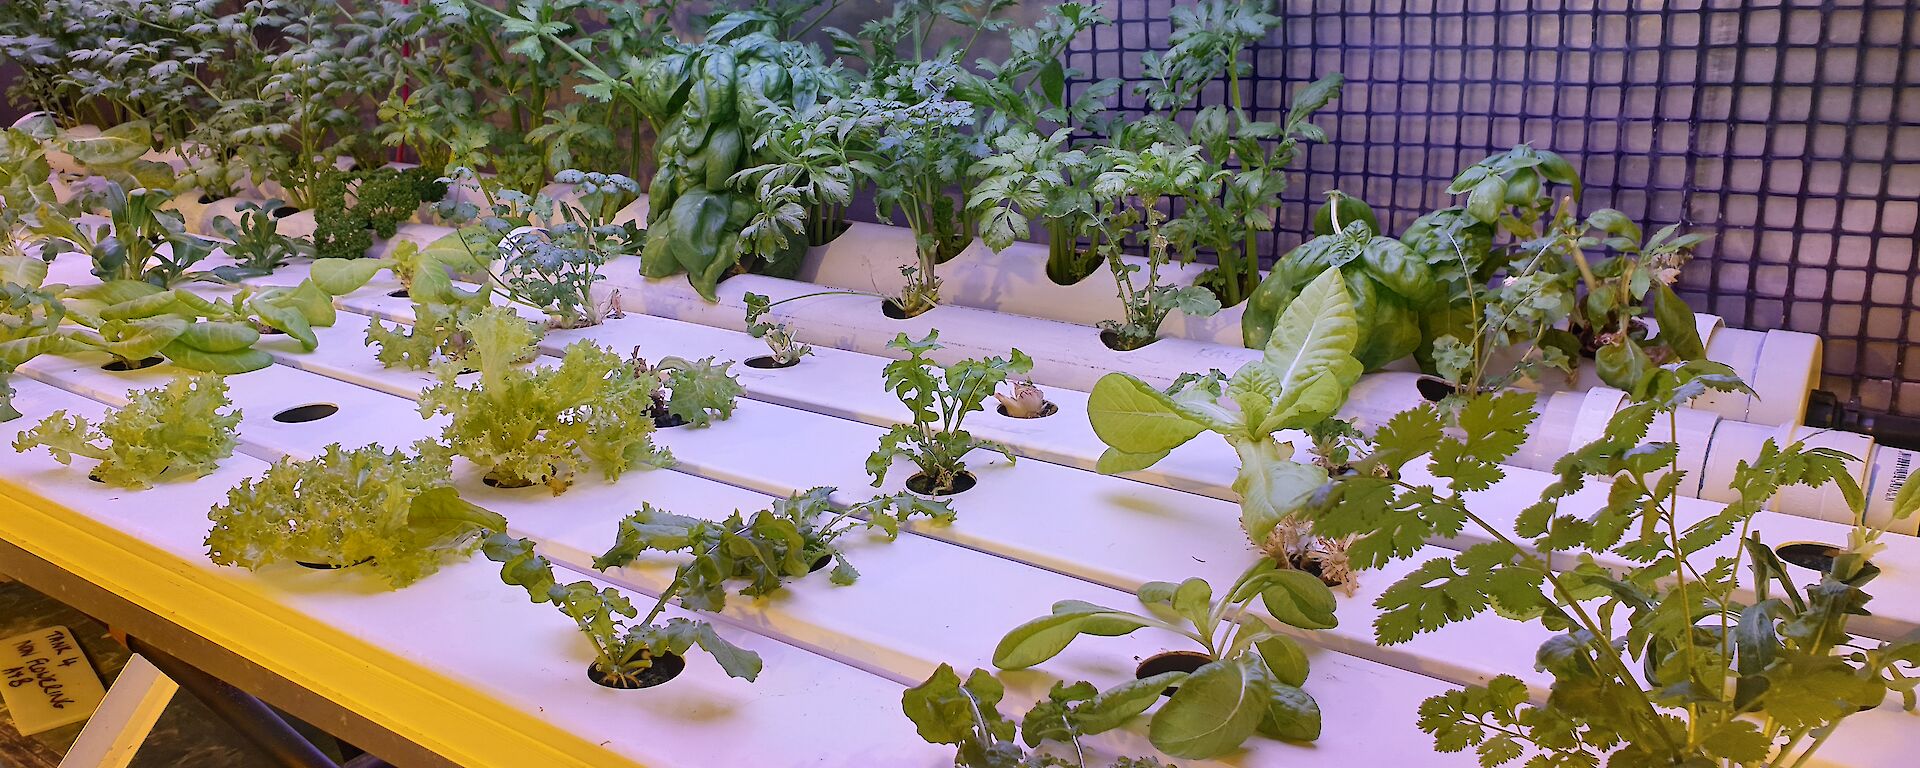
{"points": [[122, 366], [399, 293], [891, 308], [304, 413], [1810, 555], [268, 330], [664, 420], [1046, 409], [95, 476], [1434, 390], [766, 362], [819, 563], [332, 566], [665, 667], [1170, 661], [495, 481], [284, 211], [1117, 343], [921, 484], [208, 199]]}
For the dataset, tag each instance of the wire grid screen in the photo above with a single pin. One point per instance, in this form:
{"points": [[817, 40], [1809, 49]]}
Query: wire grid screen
{"points": [[1783, 129]]}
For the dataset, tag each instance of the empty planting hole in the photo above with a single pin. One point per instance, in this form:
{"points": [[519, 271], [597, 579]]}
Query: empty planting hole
{"points": [[122, 366], [819, 563], [665, 667], [1170, 661], [1810, 555], [305, 413], [284, 211], [399, 293], [1434, 390]]}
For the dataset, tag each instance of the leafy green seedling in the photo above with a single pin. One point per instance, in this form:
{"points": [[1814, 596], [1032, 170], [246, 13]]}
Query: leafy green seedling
{"points": [[939, 400], [786, 541], [397, 514], [177, 431], [255, 243], [780, 340], [1252, 674], [946, 710], [624, 652]]}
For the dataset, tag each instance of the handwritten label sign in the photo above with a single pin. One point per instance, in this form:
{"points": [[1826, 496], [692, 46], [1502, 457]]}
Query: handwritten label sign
{"points": [[46, 680]]}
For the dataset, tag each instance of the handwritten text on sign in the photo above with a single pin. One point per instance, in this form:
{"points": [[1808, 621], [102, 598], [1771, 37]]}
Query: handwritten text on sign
{"points": [[46, 680]]}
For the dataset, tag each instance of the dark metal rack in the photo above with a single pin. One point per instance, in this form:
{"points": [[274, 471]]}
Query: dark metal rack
{"points": [[1780, 127]]}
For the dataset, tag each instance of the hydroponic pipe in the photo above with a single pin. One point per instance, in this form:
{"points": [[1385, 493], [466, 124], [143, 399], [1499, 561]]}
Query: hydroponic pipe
{"points": [[1711, 447]]}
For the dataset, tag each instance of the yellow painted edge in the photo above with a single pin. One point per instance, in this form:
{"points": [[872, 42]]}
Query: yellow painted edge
{"points": [[458, 723]]}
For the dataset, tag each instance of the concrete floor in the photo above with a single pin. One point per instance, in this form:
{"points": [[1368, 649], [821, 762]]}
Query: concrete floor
{"points": [[186, 735]]}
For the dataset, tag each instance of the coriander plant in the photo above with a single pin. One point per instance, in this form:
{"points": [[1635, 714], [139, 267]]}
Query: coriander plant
{"points": [[1249, 679], [939, 400], [1703, 652], [174, 431], [397, 514]]}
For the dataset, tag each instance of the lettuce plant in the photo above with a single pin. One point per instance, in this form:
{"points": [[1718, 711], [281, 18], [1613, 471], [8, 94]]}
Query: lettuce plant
{"points": [[439, 306], [690, 391], [24, 186], [175, 431], [135, 321], [966, 714], [939, 403], [788, 540], [542, 424], [30, 323], [1250, 679], [1302, 379], [625, 653], [1702, 652], [398, 514]]}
